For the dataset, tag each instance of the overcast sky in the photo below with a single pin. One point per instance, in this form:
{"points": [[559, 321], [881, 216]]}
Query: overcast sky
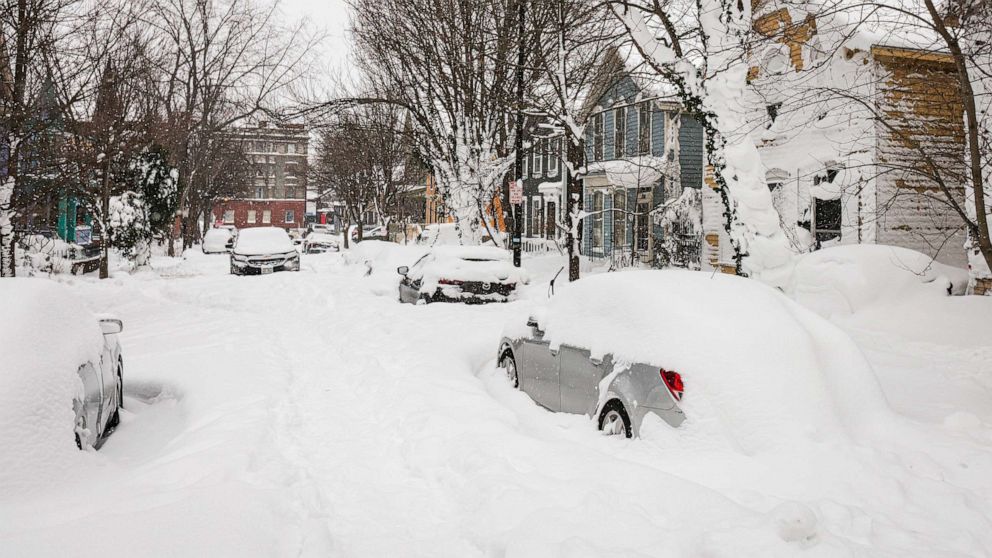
{"points": [[330, 16]]}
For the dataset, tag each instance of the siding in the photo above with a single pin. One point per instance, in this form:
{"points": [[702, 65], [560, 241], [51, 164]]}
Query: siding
{"points": [[919, 96], [691, 152], [657, 132]]}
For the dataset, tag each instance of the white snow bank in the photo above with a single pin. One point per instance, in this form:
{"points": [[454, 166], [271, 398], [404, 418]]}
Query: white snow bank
{"points": [[846, 279], [45, 336], [260, 241], [759, 367]]}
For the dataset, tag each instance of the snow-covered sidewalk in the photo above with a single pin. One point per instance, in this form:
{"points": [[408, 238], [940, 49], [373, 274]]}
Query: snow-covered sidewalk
{"points": [[312, 414]]}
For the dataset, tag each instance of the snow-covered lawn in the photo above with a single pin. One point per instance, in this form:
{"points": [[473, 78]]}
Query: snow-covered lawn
{"points": [[312, 414]]}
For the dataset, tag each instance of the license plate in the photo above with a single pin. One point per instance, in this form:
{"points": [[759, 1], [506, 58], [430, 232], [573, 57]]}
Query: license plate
{"points": [[266, 269]]}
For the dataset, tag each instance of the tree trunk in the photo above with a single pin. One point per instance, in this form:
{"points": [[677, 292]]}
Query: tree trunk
{"points": [[573, 203], [7, 244], [104, 219]]}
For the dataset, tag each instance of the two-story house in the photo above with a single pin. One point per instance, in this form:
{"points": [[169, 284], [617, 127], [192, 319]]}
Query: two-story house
{"points": [[852, 121], [641, 151]]}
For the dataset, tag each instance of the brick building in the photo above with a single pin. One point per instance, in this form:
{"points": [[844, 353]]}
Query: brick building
{"points": [[277, 195]]}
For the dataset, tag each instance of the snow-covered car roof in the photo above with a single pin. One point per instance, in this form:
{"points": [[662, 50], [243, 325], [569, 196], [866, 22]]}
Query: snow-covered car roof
{"points": [[46, 334], [765, 368], [263, 240]]}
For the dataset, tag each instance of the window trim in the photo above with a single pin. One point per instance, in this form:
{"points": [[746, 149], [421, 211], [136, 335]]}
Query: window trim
{"points": [[597, 137], [266, 216], [252, 217], [537, 158]]}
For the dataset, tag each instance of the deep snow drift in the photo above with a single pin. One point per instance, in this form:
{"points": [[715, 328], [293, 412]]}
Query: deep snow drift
{"points": [[312, 414]]}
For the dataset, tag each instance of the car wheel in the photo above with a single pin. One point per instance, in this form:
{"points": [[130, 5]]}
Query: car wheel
{"points": [[509, 364], [613, 420]]}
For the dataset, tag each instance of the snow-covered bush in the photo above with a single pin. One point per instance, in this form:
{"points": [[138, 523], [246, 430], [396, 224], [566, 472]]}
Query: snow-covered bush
{"points": [[128, 228]]}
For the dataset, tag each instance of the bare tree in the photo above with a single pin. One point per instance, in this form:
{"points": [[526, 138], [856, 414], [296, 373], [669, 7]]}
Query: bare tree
{"points": [[572, 38], [449, 64], [349, 173], [220, 63], [31, 32]]}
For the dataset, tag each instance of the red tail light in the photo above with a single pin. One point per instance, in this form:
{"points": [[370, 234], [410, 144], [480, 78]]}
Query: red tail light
{"points": [[673, 381], [450, 282]]}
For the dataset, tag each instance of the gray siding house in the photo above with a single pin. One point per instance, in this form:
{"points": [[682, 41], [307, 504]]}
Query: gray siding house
{"points": [[641, 152]]}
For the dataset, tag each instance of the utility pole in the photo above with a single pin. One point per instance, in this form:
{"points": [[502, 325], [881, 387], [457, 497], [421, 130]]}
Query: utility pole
{"points": [[519, 139]]}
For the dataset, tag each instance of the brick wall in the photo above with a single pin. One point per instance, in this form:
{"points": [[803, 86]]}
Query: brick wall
{"points": [[278, 209]]}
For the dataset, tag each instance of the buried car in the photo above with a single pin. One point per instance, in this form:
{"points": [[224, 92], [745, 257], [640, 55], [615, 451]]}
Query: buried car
{"points": [[735, 354], [319, 243], [470, 274], [62, 371], [263, 250], [218, 241]]}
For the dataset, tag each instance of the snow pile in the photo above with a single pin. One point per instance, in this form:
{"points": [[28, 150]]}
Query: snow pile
{"points": [[216, 240], [843, 280], [715, 330], [260, 241], [45, 336]]}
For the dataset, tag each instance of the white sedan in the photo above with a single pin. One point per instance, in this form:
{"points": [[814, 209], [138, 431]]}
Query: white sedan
{"points": [[262, 250]]}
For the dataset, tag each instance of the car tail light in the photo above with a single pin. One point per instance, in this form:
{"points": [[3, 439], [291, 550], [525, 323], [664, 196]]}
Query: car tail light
{"points": [[450, 282], [673, 381]]}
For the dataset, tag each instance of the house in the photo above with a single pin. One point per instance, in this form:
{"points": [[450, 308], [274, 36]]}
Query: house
{"points": [[276, 196], [543, 182], [846, 120], [641, 152], [436, 212]]}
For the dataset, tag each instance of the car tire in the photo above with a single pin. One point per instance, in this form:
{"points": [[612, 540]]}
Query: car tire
{"points": [[614, 420], [509, 364]]}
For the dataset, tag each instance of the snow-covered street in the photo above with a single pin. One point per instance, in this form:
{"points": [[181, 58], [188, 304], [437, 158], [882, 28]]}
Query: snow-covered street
{"points": [[312, 414]]}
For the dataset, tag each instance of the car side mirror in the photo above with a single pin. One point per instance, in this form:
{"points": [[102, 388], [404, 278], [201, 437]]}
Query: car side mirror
{"points": [[403, 270], [532, 323], [111, 326]]}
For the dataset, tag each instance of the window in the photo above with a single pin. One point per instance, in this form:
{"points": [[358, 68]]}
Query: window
{"points": [[773, 110], [620, 133], [251, 216], [290, 216], [554, 152], [644, 128], [259, 192], [826, 220], [619, 219], [291, 147], [266, 217], [597, 220], [228, 215], [597, 137], [537, 155], [525, 158]]}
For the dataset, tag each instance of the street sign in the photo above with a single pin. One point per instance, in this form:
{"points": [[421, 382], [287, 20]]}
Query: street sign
{"points": [[516, 192]]}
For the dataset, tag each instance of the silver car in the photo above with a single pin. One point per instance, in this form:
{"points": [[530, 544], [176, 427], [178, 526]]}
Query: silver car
{"points": [[570, 380], [98, 410]]}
